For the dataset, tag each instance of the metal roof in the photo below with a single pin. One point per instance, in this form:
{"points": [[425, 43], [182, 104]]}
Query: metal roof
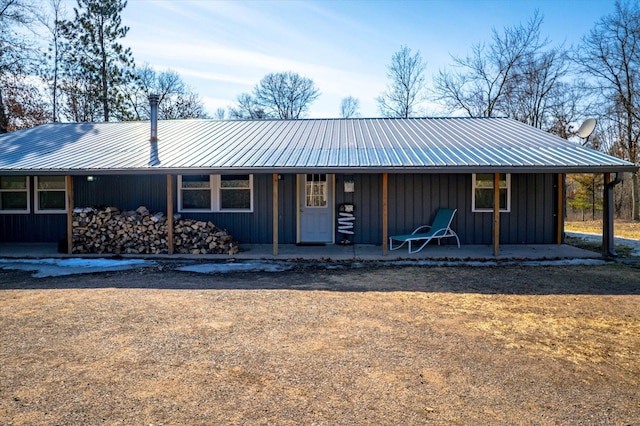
{"points": [[428, 145]]}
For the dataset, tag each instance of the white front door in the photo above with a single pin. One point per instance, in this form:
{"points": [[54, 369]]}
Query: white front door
{"points": [[316, 208]]}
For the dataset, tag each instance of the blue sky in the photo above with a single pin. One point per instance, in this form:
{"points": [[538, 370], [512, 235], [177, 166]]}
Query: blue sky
{"points": [[223, 48]]}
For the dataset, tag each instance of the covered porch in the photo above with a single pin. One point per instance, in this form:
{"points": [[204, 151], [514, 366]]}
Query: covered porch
{"points": [[334, 252]]}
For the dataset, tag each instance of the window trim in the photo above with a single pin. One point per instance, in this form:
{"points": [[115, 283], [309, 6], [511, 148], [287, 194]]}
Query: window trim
{"points": [[215, 188], [36, 202], [218, 180], [181, 189], [27, 189], [485, 210]]}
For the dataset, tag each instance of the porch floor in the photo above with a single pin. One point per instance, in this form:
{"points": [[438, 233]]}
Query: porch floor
{"points": [[332, 252]]}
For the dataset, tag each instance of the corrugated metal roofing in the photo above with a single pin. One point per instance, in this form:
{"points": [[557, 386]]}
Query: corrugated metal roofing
{"points": [[280, 146]]}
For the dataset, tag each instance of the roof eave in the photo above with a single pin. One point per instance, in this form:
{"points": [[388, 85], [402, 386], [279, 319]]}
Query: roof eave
{"points": [[329, 169]]}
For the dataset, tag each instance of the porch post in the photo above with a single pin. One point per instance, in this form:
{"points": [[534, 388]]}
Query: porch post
{"points": [[608, 247], [70, 207], [275, 214], [169, 214], [496, 214], [560, 212], [385, 214]]}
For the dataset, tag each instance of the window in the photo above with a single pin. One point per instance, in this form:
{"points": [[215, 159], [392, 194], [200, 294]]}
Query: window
{"points": [[14, 194], [316, 190], [51, 194], [235, 192], [195, 193], [482, 197], [213, 193]]}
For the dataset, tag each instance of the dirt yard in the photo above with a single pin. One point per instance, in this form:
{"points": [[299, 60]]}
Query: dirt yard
{"points": [[383, 346], [622, 228]]}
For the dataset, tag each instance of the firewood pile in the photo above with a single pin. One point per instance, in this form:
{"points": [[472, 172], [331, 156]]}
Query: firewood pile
{"points": [[109, 230]]}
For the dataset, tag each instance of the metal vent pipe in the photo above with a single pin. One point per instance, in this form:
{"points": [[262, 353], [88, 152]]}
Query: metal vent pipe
{"points": [[153, 101], [154, 160]]}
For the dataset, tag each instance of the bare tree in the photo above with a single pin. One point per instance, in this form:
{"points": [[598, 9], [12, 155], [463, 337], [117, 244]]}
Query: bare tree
{"points": [[532, 94], [285, 95], [24, 103], [247, 108], [15, 50], [611, 54], [175, 99], [349, 107], [51, 69], [220, 114], [568, 105], [406, 88], [481, 86]]}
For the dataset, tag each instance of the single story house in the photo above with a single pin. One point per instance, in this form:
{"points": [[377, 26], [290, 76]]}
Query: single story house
{"points": [[283, 181]]}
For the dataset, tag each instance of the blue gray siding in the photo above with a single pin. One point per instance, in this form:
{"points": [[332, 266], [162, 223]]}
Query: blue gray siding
{"points": [[124, 192], [32, 227], [287, 210], [367, 199], [413, 201]]}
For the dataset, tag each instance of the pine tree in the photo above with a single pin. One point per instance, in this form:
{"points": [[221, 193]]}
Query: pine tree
{"points": [[94, 52], [588, 195]]}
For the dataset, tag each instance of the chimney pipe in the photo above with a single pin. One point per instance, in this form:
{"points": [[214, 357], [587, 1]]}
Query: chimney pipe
{"points": [[153, 159], [153, 101]]}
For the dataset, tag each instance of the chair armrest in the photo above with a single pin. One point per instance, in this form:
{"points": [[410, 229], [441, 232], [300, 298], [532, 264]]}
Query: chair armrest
{"points": [[421, 227], [440, 232]]}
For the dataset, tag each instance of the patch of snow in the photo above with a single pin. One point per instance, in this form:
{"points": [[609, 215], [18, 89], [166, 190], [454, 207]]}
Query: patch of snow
{"points": [[278, 266], [60, 267], [256, 266], [597, 238]]}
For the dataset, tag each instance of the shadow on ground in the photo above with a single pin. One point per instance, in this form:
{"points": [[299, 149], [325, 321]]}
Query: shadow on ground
{"points": [[600, 279]]}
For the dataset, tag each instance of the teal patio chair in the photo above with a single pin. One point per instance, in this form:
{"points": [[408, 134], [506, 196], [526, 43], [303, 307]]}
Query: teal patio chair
{"points": [[439, 229]]}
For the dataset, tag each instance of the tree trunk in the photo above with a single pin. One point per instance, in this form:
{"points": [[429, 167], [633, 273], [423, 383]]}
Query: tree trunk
{"points": [[55, 79], [103, 72], [635, 197], [4, 118]]}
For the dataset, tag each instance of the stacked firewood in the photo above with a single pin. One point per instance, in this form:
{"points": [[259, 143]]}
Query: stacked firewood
{"points": [[109, 230], [197, 237]]}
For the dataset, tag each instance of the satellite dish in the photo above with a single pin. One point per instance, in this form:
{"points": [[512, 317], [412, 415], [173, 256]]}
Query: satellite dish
{"points": [[587, 128]]}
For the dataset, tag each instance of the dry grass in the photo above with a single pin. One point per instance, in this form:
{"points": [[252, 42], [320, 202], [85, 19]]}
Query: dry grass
{"points": [[624, 229], [373, 346]]}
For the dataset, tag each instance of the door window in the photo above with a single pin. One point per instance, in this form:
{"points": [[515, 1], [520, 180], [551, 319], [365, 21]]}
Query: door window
{"points": [[316, 190]]}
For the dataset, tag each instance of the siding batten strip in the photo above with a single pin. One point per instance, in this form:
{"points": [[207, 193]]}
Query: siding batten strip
{"points": [[170, 214], [69, 214], [496, 214], [275, 214], [560, 212], [385, 214]]}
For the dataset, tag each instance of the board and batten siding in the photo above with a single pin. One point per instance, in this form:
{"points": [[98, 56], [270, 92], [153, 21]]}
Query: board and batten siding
{"points": [[125, 192], [415, 198], [413, 201], [33, 227], [287, 209], [367, 199]]}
